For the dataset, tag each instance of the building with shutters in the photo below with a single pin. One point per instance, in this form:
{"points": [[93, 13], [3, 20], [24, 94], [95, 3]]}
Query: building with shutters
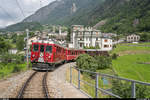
{"points": [[88, 37]]}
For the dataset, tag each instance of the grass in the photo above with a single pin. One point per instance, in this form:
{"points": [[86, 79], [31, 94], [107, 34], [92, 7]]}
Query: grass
{"points": [[127, 66], [122, 48], [106, 71], [145, 43], [10, 68]]}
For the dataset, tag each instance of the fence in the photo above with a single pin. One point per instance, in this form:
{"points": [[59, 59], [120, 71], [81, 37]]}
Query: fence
{"points": [[96, 85]]}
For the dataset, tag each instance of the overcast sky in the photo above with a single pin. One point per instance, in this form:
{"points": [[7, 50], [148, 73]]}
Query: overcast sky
{"points": [[10, 12]]}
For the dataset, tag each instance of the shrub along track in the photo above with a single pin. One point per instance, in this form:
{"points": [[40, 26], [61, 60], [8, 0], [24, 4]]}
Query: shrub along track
{"points": [[35, 86]]}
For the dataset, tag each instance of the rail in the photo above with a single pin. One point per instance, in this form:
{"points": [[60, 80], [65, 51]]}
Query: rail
{"points": [[45, 88], [44, 84], [96, 85], [21, 92]]}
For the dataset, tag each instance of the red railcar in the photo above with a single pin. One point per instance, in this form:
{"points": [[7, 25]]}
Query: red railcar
{"points": [[46, 54]]}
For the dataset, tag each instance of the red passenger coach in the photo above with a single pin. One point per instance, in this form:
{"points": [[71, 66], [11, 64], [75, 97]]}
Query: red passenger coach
{"points": [[46, 54]]}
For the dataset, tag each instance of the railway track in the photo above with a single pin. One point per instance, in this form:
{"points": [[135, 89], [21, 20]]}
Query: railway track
{"points": [[35, 86]]}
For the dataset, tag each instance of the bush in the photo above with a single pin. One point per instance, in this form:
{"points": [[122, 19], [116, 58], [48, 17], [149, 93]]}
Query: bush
{"points": [[8, 58], [19, 59], [103, 62], [114, 56], [87, 62], [16, 69], [123, 89], [2, 74], [91, 47], [114, 46]]}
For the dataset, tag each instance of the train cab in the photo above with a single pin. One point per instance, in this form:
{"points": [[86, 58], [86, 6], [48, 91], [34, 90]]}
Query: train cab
{"points": [[41, 52]]}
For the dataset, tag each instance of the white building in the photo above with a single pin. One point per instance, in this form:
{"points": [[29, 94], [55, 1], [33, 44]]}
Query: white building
{"points": [[13, 51], [106, 44], [133, 38], [88, 37]]}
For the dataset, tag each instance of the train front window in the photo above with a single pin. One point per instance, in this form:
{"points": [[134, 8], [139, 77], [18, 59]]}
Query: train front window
{"points": [[49, 49], [35, 47], [42, 48]]}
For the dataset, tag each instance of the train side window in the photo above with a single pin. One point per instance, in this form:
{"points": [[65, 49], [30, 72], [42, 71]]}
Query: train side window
{"points": [[49, 49], [60, 49], [57, 49], [35, 47], [41, 48]]}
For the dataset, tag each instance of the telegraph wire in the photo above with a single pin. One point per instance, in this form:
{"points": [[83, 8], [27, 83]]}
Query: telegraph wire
{"points": [[7, 13], [20, 8]]}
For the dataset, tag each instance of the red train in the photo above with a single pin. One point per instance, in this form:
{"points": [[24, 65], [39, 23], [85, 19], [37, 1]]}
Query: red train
{"points": [[46, 54]]}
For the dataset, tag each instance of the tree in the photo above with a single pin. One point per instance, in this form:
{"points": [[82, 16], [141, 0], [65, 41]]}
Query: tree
{"points": [[14, 38], [20, 43], [68, 35], [145, 37], [31, 34], [4, 45]]}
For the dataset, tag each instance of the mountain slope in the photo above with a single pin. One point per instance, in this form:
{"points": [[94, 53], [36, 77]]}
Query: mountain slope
{"points": [[128, 17], [24, 25], [122, 16], [59, 12]]}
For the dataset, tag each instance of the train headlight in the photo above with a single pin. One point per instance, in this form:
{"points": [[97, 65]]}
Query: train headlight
{"points": [[33, 55]]}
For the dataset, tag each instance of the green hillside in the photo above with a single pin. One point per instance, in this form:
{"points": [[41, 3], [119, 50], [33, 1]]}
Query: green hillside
{"points": [[132, 16], [24, 25]]}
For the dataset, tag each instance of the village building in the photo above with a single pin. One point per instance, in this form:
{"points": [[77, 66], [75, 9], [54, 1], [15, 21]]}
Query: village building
{"points": [[133, 38], [12, 51], [109, 35], [107, 44], [88, 37], [19, 33]]}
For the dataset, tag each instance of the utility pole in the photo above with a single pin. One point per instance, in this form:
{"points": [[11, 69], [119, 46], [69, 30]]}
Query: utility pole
{"points": [[27, 31]]}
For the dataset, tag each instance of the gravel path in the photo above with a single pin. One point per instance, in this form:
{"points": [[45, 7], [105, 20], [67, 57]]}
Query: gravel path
{"points": [[10, 87], [59, 87]]}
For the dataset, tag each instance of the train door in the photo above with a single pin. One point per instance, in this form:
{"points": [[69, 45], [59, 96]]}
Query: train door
{"points": [[48, 53], [34, 52], [42, 54]]}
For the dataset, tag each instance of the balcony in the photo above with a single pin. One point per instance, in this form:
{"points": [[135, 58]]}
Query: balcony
{"points": [[81, 41]]}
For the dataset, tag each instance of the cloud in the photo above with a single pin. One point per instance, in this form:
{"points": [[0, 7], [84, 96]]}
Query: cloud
{"points": [[11, 8], [4, 23]]}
